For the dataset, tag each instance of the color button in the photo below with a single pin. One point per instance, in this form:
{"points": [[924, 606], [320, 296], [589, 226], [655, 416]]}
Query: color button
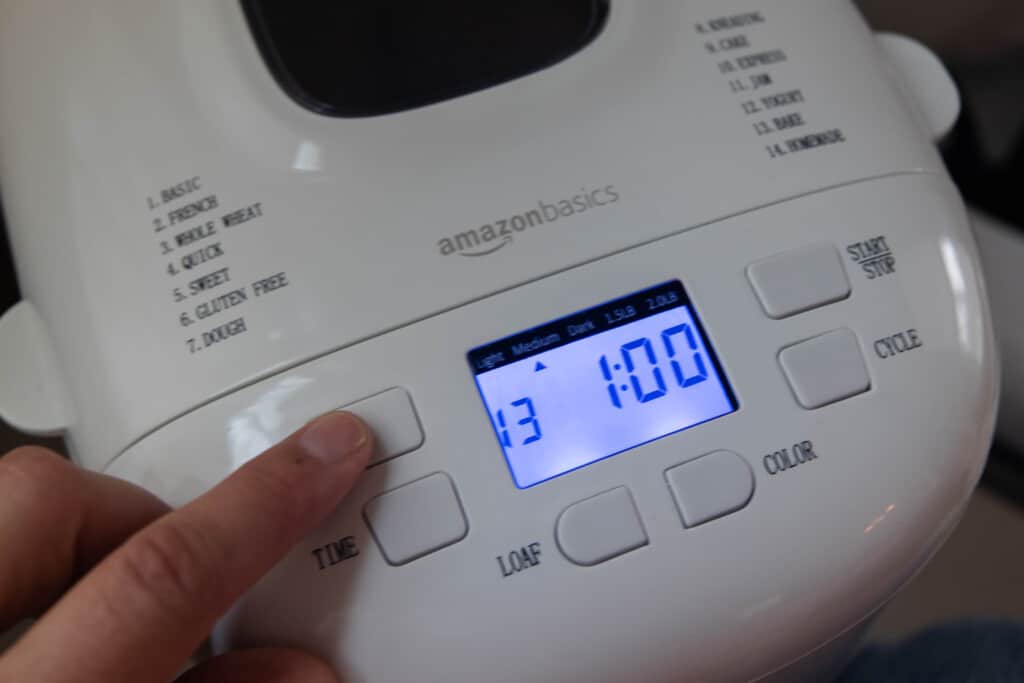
{"points": [[712, 486]]}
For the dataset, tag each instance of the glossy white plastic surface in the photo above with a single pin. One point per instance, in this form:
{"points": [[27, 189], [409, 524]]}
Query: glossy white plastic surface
{"points": [[350, 289], [928, 83], [818, 548], [144, 96], [33, 397]]}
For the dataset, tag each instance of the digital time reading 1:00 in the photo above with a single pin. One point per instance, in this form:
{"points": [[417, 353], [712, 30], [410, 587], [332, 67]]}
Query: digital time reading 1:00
{"points": [[599, 382]]}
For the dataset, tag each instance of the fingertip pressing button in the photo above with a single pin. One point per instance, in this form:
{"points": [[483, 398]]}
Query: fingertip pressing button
{"points": [[392, 418]]}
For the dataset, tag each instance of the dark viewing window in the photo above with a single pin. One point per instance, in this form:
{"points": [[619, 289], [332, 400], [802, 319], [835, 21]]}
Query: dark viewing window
{"points": [[371, 57]]}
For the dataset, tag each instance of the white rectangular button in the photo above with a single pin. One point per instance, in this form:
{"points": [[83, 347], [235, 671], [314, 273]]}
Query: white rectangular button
{"points": [[600, 527], [391, 416], [825, 369], [799, 280], [416, 519], [712, 486]]}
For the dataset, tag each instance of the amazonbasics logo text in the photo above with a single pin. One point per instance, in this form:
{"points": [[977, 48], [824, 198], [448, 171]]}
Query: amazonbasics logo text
{"points": [[491, 237]]}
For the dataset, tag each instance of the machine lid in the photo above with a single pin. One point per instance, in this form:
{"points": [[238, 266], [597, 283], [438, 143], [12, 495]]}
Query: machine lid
{"points": [[357, 59]]}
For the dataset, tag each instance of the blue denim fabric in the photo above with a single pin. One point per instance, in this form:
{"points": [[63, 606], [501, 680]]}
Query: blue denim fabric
{"points": [[961, 652]]}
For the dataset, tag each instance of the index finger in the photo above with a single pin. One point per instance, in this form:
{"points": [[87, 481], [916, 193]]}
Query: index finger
{"points": [[141, 613], [56, 522]]}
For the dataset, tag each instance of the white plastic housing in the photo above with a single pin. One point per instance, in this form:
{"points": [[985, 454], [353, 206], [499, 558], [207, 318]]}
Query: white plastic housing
{"points": [[129, 99]]}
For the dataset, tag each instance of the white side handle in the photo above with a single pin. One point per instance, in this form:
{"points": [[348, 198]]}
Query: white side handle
{"points": [[925, 80], [32, 394], [1001, 247]]}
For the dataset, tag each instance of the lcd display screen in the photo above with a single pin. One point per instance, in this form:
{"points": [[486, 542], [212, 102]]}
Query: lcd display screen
{"points": [[599, 382]]}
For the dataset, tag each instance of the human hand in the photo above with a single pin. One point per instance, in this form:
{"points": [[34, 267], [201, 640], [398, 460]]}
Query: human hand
{"points": [[128, 589]]}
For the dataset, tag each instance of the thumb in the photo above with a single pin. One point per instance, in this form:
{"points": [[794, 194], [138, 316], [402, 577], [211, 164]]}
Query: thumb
{"points": [[150, 603]]}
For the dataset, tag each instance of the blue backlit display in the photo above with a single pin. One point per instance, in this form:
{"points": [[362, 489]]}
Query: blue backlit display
{"points": [[600, 382]]}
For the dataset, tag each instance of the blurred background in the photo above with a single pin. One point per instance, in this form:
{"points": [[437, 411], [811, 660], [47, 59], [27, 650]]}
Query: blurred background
{"points": [[980, 571]]}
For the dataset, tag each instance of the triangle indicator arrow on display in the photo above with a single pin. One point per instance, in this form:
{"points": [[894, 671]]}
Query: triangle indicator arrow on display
{"points": [[540, 366]]}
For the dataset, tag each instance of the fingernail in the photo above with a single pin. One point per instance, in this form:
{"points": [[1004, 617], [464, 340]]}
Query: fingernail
{"points": [[332, 437]]}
